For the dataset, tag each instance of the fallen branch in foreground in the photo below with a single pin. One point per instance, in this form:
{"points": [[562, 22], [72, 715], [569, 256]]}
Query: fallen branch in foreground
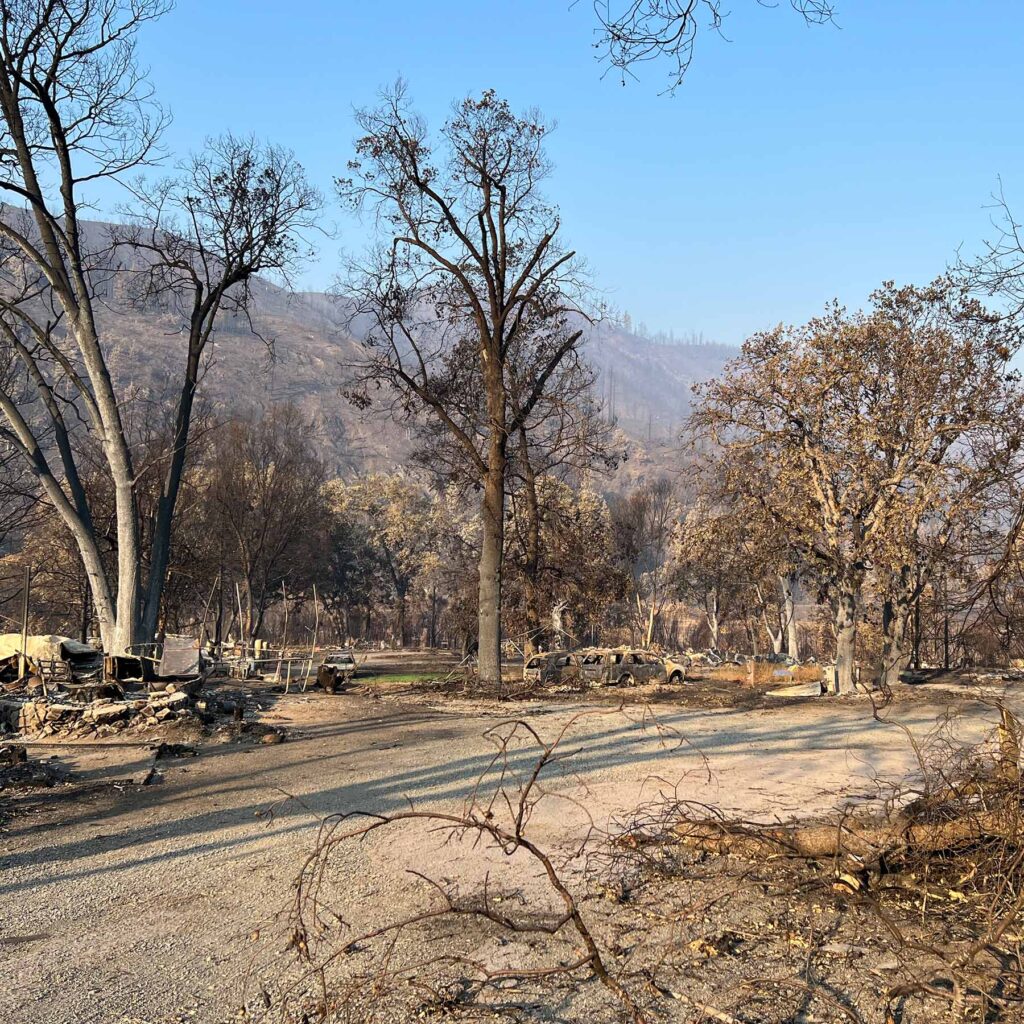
{"points": [[867, 840], [961, 806], [941, 866], [496, 816]]}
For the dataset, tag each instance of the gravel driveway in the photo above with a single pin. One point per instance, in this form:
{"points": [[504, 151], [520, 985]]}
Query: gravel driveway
{"points": [[129, 904]]}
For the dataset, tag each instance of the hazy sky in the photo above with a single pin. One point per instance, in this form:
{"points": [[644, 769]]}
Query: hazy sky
{"points": [[794, 164]]}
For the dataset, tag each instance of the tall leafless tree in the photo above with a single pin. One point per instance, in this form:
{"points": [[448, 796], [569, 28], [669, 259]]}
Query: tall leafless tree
{"points": [[238, 209], [70, 87], [468, 283], [76, 110]]}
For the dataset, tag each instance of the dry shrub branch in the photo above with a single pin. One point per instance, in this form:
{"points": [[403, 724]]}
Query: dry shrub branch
{"points": [[356, 971], [938, 861]]}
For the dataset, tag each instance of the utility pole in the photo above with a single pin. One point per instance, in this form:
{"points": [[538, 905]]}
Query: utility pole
{"points": [[219, 639]]}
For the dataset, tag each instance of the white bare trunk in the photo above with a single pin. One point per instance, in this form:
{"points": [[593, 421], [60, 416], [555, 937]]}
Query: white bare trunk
{"points": [[711, 613], [789, 613], [846, 637]]}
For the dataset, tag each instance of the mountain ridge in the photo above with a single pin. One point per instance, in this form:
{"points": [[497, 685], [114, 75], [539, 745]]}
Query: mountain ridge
{"points": [[645, 386], [301, 349]]}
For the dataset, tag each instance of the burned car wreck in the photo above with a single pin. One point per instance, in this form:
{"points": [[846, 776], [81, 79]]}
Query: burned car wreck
{"points": [[336, 671], [604, 666]]}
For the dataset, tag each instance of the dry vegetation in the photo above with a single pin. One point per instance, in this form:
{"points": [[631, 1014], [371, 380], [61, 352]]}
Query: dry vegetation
{"points": [[852, 494], [902, 907]]}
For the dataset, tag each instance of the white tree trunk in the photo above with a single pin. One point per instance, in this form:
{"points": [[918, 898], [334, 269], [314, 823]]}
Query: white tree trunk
{"points": [[846, 637], [711, 613], [789, 612]]}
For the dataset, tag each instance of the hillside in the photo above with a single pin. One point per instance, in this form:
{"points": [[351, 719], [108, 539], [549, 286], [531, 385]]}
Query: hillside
{"points": [[305, 354]]}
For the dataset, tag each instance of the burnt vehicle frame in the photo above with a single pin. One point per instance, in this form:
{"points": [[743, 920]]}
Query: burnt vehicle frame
{"points": [[621, 666]]}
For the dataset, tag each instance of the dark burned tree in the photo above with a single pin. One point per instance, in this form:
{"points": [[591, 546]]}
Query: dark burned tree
{"points": [[468, 304], [76, 110], [635, 31], [235, 210], [565, 437]]}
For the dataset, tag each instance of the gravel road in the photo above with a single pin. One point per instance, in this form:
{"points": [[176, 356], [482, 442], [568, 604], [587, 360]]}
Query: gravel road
{"points": [[128, 904]]}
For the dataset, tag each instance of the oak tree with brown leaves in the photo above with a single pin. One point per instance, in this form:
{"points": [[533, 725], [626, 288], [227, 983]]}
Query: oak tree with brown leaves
{"points": [[857, 430]]}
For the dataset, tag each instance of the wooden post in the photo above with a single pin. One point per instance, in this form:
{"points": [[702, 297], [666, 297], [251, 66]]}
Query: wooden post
{"points": [[316, 622], [23, 659], [206, 612], [219, 639], [284, 641], [316, 629], [241, 622]]}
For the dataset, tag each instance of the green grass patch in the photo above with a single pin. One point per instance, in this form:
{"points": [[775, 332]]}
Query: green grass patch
{"points": [[398, 677]]}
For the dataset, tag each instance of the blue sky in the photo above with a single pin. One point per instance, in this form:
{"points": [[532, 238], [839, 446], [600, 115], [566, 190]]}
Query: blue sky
{"points": [[795, 164]]}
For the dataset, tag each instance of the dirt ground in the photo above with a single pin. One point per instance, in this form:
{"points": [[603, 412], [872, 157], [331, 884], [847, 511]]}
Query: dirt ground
{"points": [[168, 903]]}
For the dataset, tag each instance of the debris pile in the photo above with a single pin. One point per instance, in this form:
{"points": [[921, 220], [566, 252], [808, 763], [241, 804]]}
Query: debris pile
{"points": [[18, 771], [55, 659], [42, 717]]}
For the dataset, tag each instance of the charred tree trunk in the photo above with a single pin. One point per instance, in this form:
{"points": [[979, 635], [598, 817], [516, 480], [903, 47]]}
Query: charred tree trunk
{"points": [[896, 652], [534, 630], [531, 555], [400, 594], [84, 626], [945, 623], [493, 531], [917, 622], [896, 649], [160, 550]]}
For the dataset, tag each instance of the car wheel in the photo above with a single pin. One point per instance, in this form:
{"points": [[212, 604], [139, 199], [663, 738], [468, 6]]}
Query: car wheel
{"points": [[676, 678], [626, 680]]}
